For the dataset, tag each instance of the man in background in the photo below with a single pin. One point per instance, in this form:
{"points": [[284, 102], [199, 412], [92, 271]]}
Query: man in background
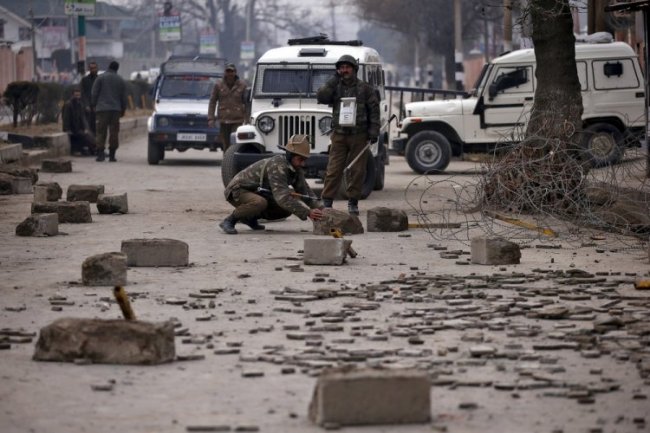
{"points": [[86, 91], [109, 101], [230, 93]]}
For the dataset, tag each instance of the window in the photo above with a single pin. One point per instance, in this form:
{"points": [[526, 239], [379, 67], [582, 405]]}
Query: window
{"points": [[515, 80], [2, 29], [296, 80], [614, 74], [24, 33], [187, 87]]}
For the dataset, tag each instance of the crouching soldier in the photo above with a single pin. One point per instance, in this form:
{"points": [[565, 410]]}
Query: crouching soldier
{"points": [[262, 190]]}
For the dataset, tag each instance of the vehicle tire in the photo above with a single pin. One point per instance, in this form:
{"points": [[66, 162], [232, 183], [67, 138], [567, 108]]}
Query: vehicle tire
{"points": [[228, 167], [155, 153], [428, 152], [368, 181], [603, 144]]}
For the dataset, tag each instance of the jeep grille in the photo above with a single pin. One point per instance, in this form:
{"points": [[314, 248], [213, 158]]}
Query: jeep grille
{"points": [[300, 124], [190, 122]]}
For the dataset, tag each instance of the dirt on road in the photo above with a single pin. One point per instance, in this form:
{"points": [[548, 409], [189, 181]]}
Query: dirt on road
{"points": [[558, 343]]}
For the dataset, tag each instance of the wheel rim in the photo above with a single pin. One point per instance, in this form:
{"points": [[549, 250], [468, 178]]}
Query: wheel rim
{"points": [[428, 153], [602, 144]]}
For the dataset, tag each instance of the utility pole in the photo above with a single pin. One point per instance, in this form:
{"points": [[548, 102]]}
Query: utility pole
{"points": [[459, 76], [33, 34], [507, 25], [333, 18]]}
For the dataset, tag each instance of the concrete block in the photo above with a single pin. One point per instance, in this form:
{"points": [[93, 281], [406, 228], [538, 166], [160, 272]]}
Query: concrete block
{"points": [[75, 212], [367, 397], [56, 166], [325, 251], [19, 171], [156, 252], [332, 218], [10, 152], [106, 341], [42, 224], [112, 203], [87, 193], [494, 251], [384, 219], [22, 185], [108, 269], [54, 191]]}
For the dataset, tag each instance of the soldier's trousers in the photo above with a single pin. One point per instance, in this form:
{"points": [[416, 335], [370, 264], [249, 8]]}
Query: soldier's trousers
{"points": [[343, 150], [225, 129], [251, 205], [108, 123]]}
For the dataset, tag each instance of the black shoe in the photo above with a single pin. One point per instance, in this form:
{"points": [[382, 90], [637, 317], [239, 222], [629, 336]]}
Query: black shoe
{"points": [[353, 207], [111, 156], [328, 202], [253, 224], [228, 225], [100, 156]]}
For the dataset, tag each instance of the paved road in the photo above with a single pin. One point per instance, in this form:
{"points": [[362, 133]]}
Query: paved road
{"points": [[452, 306]]}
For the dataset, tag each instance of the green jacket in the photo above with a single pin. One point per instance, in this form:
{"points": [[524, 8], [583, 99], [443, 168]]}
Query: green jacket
{"points": [[367, 104], [277, 176]]}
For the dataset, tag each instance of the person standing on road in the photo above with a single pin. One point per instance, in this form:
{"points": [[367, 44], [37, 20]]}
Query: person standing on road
{"points": [[350, 131], [230, 93], [109, 101], [86, 95], [75, 124], [262, 190]]}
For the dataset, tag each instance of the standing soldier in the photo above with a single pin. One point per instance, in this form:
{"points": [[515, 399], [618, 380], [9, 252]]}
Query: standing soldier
{"points": [[262, 190], [86, 95], [351, 130], [230, 93], [109, 101]]}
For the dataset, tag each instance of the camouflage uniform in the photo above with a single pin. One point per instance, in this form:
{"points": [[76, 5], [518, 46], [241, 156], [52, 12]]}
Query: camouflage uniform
{"points": [[232, 107], [347, 142], [277, 175]]}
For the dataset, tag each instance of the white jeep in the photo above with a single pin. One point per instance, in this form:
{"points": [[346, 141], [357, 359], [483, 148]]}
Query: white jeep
{"points": [[497, 110], [283, 103]]}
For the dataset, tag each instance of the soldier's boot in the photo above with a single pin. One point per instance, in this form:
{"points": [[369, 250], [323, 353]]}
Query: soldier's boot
{"points": [[253, 224], [328, 202], [111, 155], [100, 156], [353, 207], [228, 225]]}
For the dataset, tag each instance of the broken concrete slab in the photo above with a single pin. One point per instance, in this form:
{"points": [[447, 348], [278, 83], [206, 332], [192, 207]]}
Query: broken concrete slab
{"points": [[156, 252], [22, 185], [384, 219], [336, 219], [369, 396], [107, 269], [56, 166], [494, 251], [42, 224], [87, 193], [112, 203], [69, 212], [106, 341], [325, 251], [6, 184], [53, 191], [18, 171]]}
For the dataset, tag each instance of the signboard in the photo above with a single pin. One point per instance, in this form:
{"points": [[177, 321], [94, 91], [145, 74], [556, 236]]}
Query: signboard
{"points": [[54, 37], [79, 7], [170, 27], [247, 51], [208, 41]]}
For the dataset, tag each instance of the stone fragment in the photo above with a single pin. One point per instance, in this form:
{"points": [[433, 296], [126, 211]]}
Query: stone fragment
{"points": [[367, 396], [384, 219], [75, 212], [106, 341], [56, 166], [108, 269], [22, 185], [494, 251], [336, 219], [327, 251], [54, 191], [6, 184], [87, 193], [43, 224], [18, 171], [156, 252], [112, 203]]}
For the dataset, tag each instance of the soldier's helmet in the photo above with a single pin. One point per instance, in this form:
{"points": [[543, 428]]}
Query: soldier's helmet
{"points": [[298, 144], [346, 58]]}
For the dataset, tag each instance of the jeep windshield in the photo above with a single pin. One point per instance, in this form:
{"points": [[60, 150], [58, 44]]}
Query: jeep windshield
{"points": [[480, 81], [291, 80], [187, 86]]}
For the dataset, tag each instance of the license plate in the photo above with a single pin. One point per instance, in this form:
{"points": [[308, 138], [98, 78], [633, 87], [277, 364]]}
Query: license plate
{"points": [[191, 137]]}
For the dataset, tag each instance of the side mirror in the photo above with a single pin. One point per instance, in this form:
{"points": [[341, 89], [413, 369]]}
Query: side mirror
{"points": [[493, 90]]}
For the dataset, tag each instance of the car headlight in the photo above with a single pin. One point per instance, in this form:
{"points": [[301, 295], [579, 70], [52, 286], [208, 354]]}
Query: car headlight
{"points": [[163, 121], [325, 124], [266, 124]]}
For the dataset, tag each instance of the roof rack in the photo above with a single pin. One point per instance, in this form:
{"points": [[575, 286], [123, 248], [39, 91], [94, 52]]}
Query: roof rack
{"points": [[322, 39]]}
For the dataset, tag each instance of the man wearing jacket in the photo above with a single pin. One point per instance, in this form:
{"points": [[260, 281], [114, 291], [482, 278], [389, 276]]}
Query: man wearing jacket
{"points": [[109, 101], [86, 96], [75, 124], [230, 93]]}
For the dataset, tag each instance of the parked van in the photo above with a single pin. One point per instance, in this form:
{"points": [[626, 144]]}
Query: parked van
{"points": [[498, 109], [181, 95], [283, 103]]}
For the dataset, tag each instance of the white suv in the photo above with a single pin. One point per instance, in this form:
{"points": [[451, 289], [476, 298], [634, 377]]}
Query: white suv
{"points": [[283, 103], [497, 111]]}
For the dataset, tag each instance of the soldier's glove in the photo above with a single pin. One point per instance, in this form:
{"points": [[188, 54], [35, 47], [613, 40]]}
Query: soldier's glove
{"points": [[372, 139]]}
